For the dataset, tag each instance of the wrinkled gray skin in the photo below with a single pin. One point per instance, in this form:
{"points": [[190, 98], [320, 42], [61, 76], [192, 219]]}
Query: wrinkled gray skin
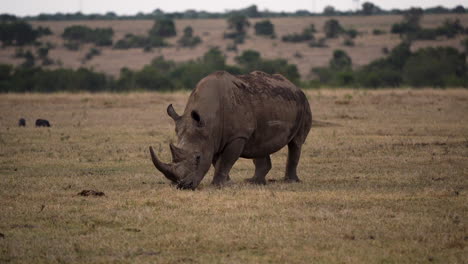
{"points": [[227, 117]]}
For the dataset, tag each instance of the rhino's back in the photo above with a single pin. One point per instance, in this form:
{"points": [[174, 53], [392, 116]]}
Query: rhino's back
{"points": [[269, 108]]}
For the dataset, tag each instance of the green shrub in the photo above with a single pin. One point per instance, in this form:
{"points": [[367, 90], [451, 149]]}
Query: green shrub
{"points": [[378, 32], [340, 61], [450, 28], [188, 40], [32, 79], [436, 67], [135, 41], [84, 34], [238, 23], [251, 60], [17, 33], [320, 43], [306, 35], [162, 28], [92, 53], [72, 45], [43, 31], [348, 42], [264, 28], [352, 33], [332, 28]]}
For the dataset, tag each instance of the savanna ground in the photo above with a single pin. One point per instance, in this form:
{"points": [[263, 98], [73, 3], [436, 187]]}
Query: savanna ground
{"points": [[384, 180], [368, 47]]}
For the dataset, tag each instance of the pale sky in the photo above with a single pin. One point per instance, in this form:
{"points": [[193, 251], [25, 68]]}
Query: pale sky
{"points": [[131, 7]]}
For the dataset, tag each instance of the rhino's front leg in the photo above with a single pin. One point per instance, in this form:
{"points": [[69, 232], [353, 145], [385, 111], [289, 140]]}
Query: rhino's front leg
{"points": [[215, 159], [226, 160]]}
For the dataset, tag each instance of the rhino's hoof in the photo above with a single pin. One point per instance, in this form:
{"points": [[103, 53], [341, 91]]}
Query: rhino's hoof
{"points": [[256, 181], [291, 180]]}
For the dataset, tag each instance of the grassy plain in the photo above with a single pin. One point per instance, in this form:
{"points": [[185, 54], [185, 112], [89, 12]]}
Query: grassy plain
{"points": [[384, 180], [368, 47]]}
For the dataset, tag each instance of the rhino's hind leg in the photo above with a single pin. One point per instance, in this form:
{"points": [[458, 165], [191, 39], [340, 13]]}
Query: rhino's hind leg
{"points": [[294, 154], [226, 160], [262, 167]]}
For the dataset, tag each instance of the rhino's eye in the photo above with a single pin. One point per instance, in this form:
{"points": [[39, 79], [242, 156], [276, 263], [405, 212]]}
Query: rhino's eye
{"points": [[197, 160], [195, 116]]}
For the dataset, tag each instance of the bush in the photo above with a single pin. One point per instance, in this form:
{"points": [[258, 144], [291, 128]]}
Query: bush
{"points": [[134, 41], [352, 33], [92, 53], [238, 23], [43, 31], [84, 34], [72, 45], [450, 28], [17, 33], [162, 28], [378, 32], [320, 43], [332, 28], [348, 42], [340, 61], [439, 67], [188, 40], [251, 60], [32, 79], [264, 28], [306, 35]]}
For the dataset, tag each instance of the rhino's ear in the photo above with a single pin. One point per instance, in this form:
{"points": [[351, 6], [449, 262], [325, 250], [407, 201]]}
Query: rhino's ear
{"points": [[172, 113]]}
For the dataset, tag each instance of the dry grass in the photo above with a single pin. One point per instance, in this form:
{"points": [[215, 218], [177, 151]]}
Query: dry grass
{"points": [[385, 180], [368, 47]]}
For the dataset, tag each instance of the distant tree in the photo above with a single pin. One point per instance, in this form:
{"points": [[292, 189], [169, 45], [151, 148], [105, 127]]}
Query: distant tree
{"points": [[306, 35], [332, 28], [239, 23], [410, 25], [163, 27], [369, 8], [84, 34], [265, 28], [340, 61], [329, 11], [188, 40], [17, 33], [436, 67], [251, 11], [8, 18], [413, 16], [459, 9]]}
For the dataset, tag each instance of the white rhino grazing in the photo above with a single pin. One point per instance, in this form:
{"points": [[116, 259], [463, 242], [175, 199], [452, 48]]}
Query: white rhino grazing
{"points": [[227, 117]]}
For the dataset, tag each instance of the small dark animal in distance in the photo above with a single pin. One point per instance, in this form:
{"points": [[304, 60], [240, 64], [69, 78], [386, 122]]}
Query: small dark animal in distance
{"points": [[42, 123], [22, 122]]}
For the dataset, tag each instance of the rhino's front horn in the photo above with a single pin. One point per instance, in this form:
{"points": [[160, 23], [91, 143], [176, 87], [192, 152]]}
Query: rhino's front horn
{"points": [[177, 153], [172, 113], [166, 169]]}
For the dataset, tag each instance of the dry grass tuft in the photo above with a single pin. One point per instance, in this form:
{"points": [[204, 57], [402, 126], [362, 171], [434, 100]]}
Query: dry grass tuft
{"points": [[384, 181]]}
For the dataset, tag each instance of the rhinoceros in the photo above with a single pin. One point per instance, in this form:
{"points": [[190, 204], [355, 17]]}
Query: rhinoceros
{"points": [[227, 117]]}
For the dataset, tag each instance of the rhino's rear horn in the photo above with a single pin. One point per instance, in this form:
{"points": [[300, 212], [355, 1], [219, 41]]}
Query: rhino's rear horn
{"points": [[166, 169], [172, 113], [177, 153]]}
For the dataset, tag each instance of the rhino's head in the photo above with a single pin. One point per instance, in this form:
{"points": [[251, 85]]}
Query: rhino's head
{"points": [[192, 158]]}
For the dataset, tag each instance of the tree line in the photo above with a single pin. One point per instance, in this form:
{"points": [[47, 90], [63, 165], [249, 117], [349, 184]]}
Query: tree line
{"points": [[367, 8]]}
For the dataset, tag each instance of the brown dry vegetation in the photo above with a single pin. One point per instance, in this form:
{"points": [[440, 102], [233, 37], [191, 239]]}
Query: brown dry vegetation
{"points": [[385, 180], [368, 47]]}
